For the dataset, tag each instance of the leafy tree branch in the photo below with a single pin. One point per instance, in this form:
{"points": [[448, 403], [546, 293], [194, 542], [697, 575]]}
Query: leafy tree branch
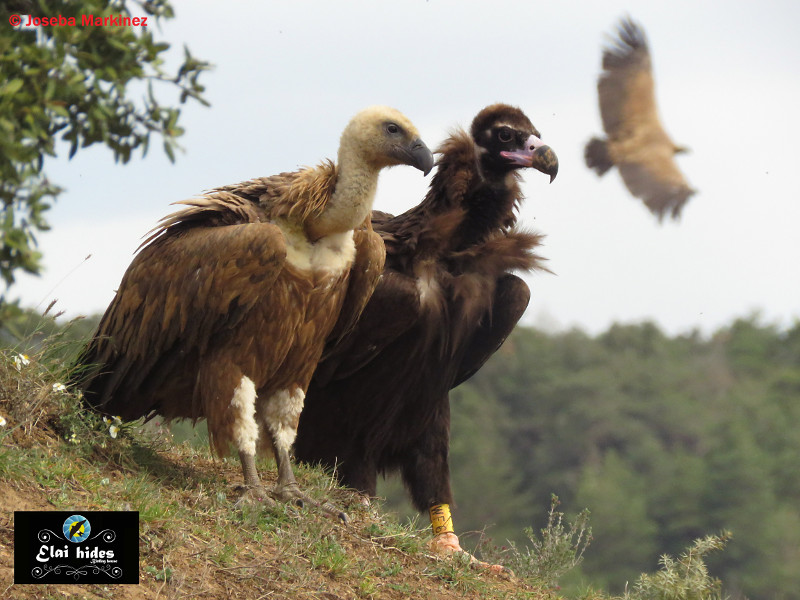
{"points": [[76, 84]]}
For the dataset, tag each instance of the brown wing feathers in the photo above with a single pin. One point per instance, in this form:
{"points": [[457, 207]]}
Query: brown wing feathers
{"points": [[225, 310], [183, 288], [636, 142], [301, 194], [196, 275], [364, 275]]}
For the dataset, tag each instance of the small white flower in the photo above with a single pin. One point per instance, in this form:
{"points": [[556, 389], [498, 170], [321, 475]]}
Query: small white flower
{"points": [[59, 387], [114, 423], [73, 439], [105, 481], [21, 360], [3, 421]]}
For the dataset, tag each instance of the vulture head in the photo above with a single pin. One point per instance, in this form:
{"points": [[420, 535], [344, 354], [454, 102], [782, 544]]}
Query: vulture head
{"points": [[376, 138], [507, 141], [380, 136]]}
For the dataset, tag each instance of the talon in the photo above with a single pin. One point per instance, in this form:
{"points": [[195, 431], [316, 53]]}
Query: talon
{"points": [[335, 512], [291, 493], [254, 496], [288, 493]]}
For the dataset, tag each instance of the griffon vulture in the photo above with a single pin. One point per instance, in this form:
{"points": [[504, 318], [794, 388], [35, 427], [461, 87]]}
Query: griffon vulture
{"points": [[379, 400], [224, 312], [636, 142]]}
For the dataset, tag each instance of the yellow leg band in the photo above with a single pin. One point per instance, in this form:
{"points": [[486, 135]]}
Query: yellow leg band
{"points": [[441, 521]]}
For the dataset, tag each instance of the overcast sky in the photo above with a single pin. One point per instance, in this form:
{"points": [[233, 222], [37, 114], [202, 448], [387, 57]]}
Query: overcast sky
{"points": [[289, 75]]}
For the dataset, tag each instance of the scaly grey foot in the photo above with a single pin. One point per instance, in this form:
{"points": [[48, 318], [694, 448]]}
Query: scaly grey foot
{"points": [[255, 495], [291, 494]]}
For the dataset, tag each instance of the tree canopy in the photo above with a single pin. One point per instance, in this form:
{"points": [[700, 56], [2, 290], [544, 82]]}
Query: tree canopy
{"points": [[664, 439], [75, 84]]}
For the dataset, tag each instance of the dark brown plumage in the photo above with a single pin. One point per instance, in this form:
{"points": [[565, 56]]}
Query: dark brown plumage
{"points": [[636, 142], [224, 312], [446, 301]]}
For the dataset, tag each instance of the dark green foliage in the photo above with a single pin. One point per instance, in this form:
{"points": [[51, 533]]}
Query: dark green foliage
{"points": [[664, 440], [75, 84], [685, 578], [557, 549], [624, 540], [486, 452]]}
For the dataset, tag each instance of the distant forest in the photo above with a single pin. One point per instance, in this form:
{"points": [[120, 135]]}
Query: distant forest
{"points": [[664, 439]]}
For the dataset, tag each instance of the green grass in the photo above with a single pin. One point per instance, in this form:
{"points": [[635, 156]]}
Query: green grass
{"points": [[195, 541]]}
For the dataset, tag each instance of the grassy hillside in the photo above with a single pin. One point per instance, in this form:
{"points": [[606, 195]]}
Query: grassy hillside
{"points": [[194, 543]]}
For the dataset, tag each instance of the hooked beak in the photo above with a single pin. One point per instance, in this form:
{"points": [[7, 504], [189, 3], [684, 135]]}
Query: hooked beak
{"points": [[421, 156], [416, 154], [537, 155]]}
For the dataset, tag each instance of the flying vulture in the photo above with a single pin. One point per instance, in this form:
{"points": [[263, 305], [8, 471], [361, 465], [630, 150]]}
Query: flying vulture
{"points": [[379, 400], [224, 311], [636, 141]]}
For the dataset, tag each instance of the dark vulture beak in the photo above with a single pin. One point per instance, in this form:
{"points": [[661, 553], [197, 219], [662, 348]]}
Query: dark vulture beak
{"points": [[417, 154], [537, 155]]}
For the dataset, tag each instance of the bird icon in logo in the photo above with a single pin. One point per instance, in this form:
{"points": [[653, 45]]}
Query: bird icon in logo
{"points": [[76, 528]]}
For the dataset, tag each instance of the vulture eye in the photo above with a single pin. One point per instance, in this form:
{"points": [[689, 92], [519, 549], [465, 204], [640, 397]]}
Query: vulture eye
{"points": [[505, 135], [392, 128]]}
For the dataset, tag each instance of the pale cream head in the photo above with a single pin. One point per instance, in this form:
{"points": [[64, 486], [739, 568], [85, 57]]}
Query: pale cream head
{"points": [[381, 136]]}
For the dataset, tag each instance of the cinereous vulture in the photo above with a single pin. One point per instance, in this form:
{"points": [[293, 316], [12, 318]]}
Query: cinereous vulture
{"points": [[224, 311], [379, 401], [636, 142]]}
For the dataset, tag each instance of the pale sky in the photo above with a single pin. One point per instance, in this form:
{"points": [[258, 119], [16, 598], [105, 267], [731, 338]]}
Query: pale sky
{"points": [[289, 75]]}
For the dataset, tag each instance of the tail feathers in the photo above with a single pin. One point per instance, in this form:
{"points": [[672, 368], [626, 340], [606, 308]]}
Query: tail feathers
{"points": [[597, 156]]}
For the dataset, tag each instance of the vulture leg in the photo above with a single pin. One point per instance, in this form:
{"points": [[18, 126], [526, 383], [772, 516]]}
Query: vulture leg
{"points": [[426, 468], [427, 476], [245, 435], [254, 493], [510, 301], [281, 415]]}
